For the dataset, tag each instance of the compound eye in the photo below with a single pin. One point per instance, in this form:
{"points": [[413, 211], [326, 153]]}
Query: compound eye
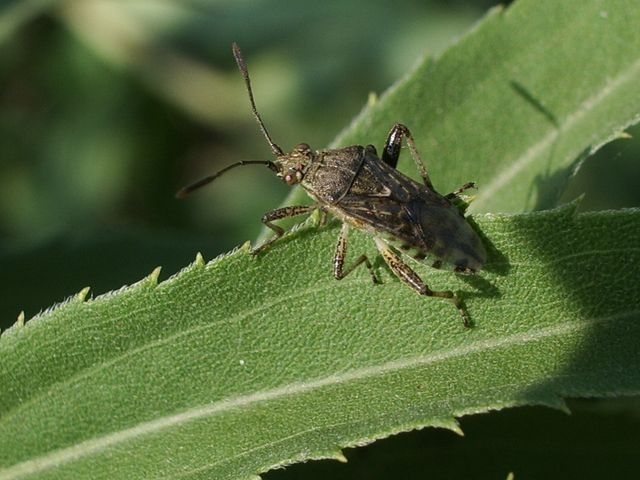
{"points": [[291, 178], [302, 147]]}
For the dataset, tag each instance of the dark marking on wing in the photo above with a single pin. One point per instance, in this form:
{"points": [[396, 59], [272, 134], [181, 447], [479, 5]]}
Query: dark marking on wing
{"points": [[390, 216]]}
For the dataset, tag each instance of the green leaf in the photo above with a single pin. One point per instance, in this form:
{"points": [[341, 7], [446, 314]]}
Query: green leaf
{"points": [[229, 369], [34, 278], [519, 102], [232, 368], [531, 442]]}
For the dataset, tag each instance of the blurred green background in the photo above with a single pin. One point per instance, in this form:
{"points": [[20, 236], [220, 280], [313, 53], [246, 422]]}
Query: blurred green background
{"points": [[108, 107]]}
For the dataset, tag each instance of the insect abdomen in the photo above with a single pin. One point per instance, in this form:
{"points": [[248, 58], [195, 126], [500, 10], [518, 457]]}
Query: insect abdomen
{"points": [[449, 237], [440, 237]]}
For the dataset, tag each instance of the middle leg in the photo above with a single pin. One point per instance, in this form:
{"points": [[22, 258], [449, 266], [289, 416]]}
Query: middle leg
{"points": [[341, 252]]}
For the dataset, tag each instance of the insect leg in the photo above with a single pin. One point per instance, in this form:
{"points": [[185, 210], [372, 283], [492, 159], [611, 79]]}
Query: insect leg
{"points": [[392, 151], [341, 251], [411, 278], [278, 214], [457, 192], [323, 218]]}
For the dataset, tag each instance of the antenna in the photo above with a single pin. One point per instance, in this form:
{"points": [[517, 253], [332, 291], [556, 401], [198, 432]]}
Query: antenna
{"points": [[245, 74], [205, 181]]}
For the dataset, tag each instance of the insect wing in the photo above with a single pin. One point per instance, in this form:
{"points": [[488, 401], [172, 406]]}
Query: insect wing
{"points": [[380, 201], [416, 217], [385, 215]]}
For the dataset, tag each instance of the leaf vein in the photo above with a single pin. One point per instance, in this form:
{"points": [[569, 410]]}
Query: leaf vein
{"points": [[96, 445]]}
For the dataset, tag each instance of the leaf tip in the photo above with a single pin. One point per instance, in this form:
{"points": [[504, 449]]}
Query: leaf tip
{"points": [[339, 456], [20, 320], [623, 136], [554, 401], [154, 276], [199, 261], [559, 403], [454, 426], [17, 325], [572, 206], [81, 296]]}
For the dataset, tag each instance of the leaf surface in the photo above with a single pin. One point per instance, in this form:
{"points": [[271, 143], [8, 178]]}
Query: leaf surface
{"points": [[232, 368], [519, 102]]}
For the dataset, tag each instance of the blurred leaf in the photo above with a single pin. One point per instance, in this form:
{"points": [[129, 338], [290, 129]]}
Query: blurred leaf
{"points": [[519, 102], [15, 13], [182, 51], [123, 34], [85, 147], [232, 368]]}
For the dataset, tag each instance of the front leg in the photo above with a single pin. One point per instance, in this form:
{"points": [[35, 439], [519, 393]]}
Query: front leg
{"points": [[278, 214], [411, 278], [391, 151]]}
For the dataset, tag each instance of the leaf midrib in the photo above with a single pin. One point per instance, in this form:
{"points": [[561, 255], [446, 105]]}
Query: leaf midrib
{"points": [[110, 362], [87, 447]]}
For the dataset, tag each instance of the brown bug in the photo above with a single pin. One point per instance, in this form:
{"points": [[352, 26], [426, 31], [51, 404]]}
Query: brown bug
{"points": [[367, 192]]}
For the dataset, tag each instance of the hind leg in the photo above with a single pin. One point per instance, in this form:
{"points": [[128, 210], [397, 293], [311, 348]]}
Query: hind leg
{"points": [[411, 278]]}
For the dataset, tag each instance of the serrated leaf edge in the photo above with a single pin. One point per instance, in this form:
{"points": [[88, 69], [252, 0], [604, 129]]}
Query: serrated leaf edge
{"points": [[87, 447]]}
